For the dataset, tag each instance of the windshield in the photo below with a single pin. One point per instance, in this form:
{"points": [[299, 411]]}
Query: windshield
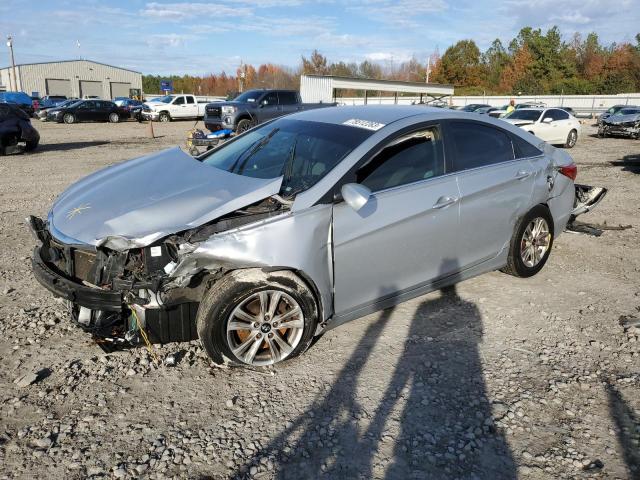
{"points": [[303, 152], [250, 96], [165, 99], [531, 115]]}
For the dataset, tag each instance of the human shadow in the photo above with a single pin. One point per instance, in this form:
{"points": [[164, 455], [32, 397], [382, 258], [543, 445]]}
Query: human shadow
{"points": [[434, 419], [629, 163], [627, 428], [62, 147]]}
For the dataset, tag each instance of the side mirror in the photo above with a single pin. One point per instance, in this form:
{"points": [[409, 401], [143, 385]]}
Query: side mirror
{"points": [[355, 195], [547, 120]]}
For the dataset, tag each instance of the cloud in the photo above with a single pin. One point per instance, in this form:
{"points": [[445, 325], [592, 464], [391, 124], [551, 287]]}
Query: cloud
{"points": [[399, 13], [181, 11], [384, 57], [163, 40]]}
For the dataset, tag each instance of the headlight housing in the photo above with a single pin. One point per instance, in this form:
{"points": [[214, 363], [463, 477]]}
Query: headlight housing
{"points": [[228, 109]]}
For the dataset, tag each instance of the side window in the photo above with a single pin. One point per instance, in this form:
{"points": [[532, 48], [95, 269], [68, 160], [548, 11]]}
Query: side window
{"points": [[4, 112], [190, 100], [479, 145], [523, 148], [179, 101], [270, 99], [410, 158], [287, 98], [556, 114]]}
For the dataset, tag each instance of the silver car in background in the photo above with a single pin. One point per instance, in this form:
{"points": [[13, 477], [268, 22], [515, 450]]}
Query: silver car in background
{"points": [[302, 224]]}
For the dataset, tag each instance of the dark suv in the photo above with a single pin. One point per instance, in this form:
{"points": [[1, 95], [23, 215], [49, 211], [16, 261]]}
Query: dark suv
{"points": [[16, 128]]}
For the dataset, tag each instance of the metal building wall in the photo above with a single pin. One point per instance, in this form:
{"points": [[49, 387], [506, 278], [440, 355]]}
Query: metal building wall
{"points": [[31, 78], [316, 89]]}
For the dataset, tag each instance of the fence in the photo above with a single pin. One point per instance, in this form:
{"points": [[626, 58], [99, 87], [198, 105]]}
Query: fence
{"points": [[583, 105]]}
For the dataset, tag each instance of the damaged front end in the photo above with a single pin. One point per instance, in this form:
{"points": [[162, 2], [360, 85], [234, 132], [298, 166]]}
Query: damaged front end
{"points": [[116, 287], [623, 126]]}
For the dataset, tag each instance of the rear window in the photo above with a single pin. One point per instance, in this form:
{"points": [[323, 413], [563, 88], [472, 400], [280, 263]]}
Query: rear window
{"points": [[524, 149], [478, 145]]}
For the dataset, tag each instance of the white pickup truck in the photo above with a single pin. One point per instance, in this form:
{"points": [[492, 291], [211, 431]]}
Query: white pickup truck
{"points": [[170, 107]]}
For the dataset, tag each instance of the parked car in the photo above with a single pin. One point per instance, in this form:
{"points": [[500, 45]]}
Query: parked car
{"points": [[568, 110], [44, 111], [485, 110], [254, 107], [302, 224], [553, 125], [612, 111], [625, 122], [51, 101], [134, 107], [16, 129], [499, 112], [87, 111], [472, 107], [170, 107], [20, 99], [530, 105]]}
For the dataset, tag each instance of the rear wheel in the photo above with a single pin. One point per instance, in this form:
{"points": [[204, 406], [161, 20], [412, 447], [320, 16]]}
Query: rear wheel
{"points": [[69, 118], [114, 117], [531, 243], [572, 138], [253, 318], [30, 146]]}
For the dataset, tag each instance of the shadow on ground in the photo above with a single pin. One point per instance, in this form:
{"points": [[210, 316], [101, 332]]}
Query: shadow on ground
{"points": [[629, 163], [61, 147], [432, 421], [628, 430]]}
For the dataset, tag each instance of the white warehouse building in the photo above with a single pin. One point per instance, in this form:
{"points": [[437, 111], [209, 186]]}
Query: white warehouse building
{"points": [[72, 78]]}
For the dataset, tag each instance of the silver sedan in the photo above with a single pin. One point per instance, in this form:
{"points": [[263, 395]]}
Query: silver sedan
{"points": [[302, 224]]}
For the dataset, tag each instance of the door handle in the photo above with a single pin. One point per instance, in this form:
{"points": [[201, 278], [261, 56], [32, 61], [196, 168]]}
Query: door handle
{"points": [[522, 174], [444, 202]]}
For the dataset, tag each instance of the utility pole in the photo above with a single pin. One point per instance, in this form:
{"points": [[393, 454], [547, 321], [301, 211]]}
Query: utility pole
{"points": [[13, 63], [242, 76], [428, 69]]}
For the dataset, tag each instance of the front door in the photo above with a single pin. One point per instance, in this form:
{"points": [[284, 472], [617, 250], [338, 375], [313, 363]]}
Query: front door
{"points": [[86, 111], [406, 235], [495, 189], [179, 109], [269, 107]]}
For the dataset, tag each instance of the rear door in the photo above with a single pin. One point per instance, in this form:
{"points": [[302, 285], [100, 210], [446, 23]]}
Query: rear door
{"points": [[191, 109], [288, 102], [495, 188], [102, 111], [406, 235]]}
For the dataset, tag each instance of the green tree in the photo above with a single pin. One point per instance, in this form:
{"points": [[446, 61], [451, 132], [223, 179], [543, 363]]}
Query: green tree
{"points": [[460, 64]]}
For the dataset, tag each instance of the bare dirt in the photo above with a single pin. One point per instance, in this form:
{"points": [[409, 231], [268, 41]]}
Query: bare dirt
{"points": [[498, 378]]}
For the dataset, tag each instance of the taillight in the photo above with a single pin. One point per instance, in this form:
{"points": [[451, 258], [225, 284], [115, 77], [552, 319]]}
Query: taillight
{"points": [[570, 171]]}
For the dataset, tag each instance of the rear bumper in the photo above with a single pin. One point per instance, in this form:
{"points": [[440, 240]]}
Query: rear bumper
{"points": [[61, 286]]}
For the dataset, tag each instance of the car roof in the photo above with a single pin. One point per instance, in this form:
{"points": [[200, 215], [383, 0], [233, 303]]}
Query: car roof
{"points": [[384, 114]]}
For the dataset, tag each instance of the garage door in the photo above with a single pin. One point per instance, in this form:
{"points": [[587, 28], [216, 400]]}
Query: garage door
{"points": [[90, 88], [58, 87], [120, 89]]}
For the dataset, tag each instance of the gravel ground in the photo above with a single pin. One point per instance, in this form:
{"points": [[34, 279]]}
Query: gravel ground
{"points": [[498, 378]]}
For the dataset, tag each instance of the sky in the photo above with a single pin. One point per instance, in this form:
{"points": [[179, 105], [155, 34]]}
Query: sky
{"points": [[163, 37]]}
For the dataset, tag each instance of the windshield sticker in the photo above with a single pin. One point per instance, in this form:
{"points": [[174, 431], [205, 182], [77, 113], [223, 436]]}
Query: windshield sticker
{"points": [[355, 122]]}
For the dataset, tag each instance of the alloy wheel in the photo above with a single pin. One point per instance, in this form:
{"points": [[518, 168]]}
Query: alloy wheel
{"points": [[535, 242], [265, 328]]}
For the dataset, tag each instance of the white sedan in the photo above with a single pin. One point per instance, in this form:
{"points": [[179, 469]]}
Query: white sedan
{"points": [[553, 125]]}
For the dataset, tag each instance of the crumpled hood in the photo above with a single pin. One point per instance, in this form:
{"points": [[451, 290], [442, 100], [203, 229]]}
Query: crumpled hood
{"points": [[618, 119], [145, 199]]}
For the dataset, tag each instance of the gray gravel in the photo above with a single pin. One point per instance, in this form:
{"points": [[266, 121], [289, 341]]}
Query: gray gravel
{"points": [[498, 378]]}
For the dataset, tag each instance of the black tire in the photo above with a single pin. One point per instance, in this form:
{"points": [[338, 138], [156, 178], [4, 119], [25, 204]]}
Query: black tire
{"points": [[164, 117], [69, 118], [220, 301], [572, 138], [30, 146], [515, 265], [243, 126], [114, 117]]}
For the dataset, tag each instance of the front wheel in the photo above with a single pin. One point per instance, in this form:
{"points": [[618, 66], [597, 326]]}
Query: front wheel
{"points": [[253, 318], [114, 117], [572, 138], [30, 145], [243, 126], [69, 118], [531, 243], [164, 117]]}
